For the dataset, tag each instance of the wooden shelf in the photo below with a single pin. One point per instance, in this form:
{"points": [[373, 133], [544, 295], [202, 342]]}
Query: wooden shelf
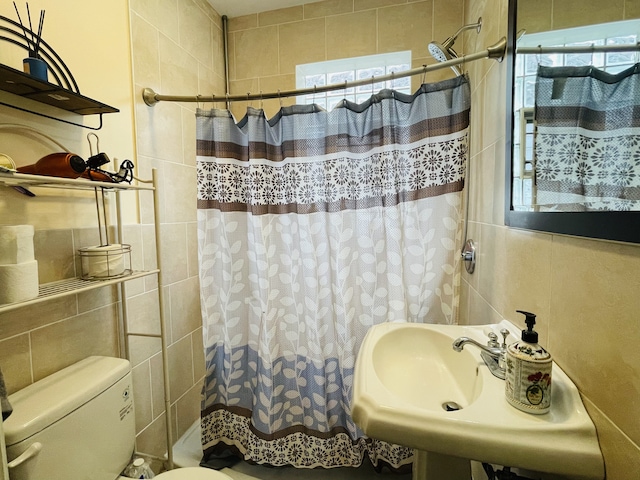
{"points": [[19, 83]]}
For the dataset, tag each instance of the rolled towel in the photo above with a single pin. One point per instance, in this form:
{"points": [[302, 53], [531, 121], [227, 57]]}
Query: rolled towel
{"points": [[4, 400], [18, 283], [16, 244]]}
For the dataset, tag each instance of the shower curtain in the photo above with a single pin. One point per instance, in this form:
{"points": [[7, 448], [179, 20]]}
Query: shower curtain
{"points": [[587, 145], [312, 227]]}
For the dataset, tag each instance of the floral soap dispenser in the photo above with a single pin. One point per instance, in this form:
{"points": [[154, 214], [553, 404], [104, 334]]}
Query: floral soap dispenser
{"points": [[528, 372]]}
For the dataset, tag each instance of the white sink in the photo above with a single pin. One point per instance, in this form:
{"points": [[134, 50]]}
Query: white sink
{"points": [[405, 372]]}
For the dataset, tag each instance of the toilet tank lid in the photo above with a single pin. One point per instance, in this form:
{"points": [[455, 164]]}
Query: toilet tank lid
{"points": [[46, 401]]}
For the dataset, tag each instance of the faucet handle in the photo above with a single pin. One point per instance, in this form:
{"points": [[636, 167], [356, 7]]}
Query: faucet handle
{"points": [[505, 333], [493, 340]]}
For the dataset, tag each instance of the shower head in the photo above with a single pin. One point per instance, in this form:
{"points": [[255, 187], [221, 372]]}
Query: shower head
{"points": [[444, 51]]}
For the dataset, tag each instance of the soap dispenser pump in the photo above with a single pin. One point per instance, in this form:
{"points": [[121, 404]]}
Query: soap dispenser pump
{"points": [[528, 371]]}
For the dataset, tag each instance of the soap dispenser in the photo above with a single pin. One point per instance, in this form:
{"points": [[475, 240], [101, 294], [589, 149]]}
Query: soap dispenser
{"points": [[528, 371]]}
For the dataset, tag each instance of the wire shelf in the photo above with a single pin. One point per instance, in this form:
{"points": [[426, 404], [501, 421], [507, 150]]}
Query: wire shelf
{"points": [[72, 286]]}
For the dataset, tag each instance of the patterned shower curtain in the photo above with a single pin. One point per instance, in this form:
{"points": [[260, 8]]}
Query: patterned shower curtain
{"points": [[587, 145], [312, 227]]}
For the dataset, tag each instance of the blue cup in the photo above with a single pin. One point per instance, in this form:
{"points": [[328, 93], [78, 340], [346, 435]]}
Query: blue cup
{"points": [[35, 67]]}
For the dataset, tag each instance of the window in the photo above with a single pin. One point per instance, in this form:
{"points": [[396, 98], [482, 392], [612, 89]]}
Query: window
{"points": [[351, 69]]}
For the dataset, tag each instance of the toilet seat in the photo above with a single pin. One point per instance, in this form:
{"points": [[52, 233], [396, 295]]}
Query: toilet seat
{"points": [[192, 473]]}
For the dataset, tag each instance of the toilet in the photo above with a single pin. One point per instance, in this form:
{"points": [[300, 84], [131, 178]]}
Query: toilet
{"points": [[79, 424]]}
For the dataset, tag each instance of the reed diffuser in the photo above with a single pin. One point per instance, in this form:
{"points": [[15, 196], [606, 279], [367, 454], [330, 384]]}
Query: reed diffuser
{"points": [[33, 65]]}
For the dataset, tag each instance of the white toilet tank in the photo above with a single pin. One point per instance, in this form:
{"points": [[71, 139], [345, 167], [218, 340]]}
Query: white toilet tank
{"points": [[77, 424]]}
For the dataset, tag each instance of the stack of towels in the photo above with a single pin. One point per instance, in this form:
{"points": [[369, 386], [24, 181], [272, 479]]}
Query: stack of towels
{"points": [[18, 267]]}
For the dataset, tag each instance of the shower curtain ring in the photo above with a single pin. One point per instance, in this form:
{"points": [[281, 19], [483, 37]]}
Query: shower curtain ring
{"points": [[261, 101], [279, 98], [424, 74]]}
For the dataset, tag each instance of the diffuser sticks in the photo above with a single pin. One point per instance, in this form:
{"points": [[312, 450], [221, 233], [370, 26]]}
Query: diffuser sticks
{"points": [[33, 39]]}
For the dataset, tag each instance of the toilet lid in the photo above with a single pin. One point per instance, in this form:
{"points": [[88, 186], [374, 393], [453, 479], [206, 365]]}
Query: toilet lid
{"points": [[192, 473]]}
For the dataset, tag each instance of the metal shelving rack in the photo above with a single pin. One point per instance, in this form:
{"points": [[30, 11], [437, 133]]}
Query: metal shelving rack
{"points": [[74, 286]]}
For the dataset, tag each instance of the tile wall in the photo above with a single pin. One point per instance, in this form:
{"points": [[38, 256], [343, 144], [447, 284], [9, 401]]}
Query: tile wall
{"points": [[585, 292], [176, 49]]}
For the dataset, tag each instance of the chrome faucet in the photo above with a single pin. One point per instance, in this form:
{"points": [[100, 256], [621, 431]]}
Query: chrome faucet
{"points": [[493, 353]]}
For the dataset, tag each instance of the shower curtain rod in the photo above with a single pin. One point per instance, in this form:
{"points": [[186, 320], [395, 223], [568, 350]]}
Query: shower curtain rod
{"points": [[495, 51], [579, 49]]}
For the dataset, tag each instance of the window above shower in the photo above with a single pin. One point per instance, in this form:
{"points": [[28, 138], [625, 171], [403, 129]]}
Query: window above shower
{"points": [[350, 69]]}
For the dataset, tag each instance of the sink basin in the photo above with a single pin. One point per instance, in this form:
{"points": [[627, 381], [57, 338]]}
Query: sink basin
{"points": [[406, 372], [431, 372]]}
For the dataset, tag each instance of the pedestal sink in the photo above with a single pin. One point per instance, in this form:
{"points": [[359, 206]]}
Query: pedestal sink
{"points": [[411, 388]]}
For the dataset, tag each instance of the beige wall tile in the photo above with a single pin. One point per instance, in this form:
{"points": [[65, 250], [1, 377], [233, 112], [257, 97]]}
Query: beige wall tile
{"points": [[243, 23], [368, 4], [141, 348], [21, 320], [180, 193], [141, 376], [621, 457], [586, 12], [185, 307], [144, 313], [160, 128], [595, 289], [196, 32], [301, 42], [92, 333], [178, 68], [162, 15], [146, 52], [180, 367], [53, 249], [256, 52], [188, 409], [492, 281], [282, 15], [157, 385], [631, 9], [327, 8], [199, 369], [15, 362], [192, 250], [535, 16], [482, 176], [528, 278], [189, 138], [99, 297], [152, 440], [480, 310], [494, 111], [405, 27], [351, 35], [174, 248]]}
